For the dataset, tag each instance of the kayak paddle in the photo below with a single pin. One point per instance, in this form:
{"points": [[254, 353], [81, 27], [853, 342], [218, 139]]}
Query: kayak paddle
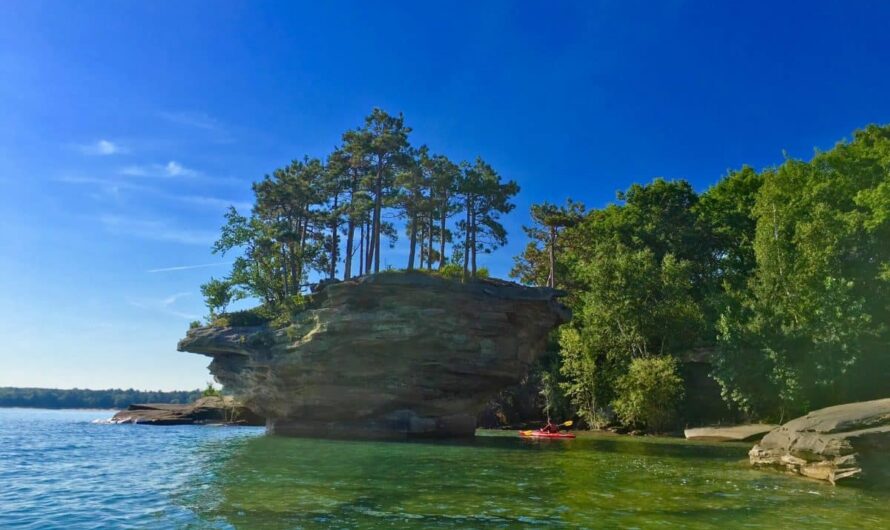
{"points": [[563, 424]]}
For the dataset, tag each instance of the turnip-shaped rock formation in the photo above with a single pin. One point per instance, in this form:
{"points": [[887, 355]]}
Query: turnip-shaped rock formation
{"points": [[392, 355]]}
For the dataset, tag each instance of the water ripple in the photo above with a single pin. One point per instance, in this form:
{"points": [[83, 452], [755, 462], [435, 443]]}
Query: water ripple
{"points": [[60, 470]]}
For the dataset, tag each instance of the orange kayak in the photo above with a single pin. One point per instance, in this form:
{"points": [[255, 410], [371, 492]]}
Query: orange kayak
{"points": [[539, 434]]}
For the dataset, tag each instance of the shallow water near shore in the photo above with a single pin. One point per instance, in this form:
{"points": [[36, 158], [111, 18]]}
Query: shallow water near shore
{"points": [[59, 470]]}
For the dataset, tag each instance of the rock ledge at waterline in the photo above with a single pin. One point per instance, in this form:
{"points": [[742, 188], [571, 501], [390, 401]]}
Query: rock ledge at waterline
{"points": [[843, 442], [208, 409], [391, 355], [729, 433]]}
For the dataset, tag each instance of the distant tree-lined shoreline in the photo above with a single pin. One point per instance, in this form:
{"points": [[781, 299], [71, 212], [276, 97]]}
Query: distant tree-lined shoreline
{"points": [[79, 398]]}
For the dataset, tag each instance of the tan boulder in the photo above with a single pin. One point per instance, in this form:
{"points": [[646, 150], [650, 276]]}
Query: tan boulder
{"points": [[843, 442]]}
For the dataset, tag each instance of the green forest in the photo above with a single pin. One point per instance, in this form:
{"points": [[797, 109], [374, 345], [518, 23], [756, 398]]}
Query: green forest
{"points": [[777, 281], [80, 398]]}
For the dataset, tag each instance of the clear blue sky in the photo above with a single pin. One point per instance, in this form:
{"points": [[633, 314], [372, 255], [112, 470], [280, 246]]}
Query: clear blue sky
{"points": [[127, 127]]}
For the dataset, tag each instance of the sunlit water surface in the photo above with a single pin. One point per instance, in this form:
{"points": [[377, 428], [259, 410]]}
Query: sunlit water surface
{"points": [[59, 470]]}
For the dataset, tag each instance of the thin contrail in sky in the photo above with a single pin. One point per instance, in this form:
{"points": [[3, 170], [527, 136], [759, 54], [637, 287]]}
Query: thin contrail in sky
{"points": [[187, 267]]}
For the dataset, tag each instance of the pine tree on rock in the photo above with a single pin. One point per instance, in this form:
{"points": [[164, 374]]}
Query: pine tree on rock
{"points": [[550, 219], [484, 198], [384, 141]]}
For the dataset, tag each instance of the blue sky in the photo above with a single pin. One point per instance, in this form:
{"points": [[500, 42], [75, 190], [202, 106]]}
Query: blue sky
{"points": [[127, 127]]}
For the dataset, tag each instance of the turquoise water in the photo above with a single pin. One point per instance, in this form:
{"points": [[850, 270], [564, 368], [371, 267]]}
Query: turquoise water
{"points": [[59, 470]]}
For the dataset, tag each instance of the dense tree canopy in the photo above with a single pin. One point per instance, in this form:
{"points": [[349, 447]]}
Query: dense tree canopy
{"points": [[781, 277], [312, 215], [811, 327]]}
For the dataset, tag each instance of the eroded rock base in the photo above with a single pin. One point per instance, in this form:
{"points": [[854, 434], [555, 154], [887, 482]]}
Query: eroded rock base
{"points": [[396, 427], [840, 443]]}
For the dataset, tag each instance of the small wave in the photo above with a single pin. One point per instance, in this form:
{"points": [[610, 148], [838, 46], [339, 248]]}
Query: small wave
{"points": [[105, 421]]}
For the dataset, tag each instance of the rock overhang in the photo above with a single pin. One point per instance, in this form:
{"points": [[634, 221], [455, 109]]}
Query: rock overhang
{"points": [[392, 355]]}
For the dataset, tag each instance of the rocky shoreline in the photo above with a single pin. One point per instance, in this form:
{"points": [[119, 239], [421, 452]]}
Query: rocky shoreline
{"points": [[206, 410], [840, 443]]}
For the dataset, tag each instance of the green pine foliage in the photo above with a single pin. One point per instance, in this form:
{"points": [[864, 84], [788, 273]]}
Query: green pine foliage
{"points": [[327, 216], [211, 391]]}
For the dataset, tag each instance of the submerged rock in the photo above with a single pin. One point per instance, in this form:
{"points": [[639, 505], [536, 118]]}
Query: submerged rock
{"points": [[211, 409], [729, 433], [835, 443], [391, 355]]}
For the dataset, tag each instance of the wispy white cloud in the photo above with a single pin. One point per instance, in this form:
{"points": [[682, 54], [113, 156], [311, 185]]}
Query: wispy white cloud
{"points": [[101, 148], [134, 171], [170, 300], [108, 185], [168, 170], [214, 202], [114, 187], [156, 230], [213, 129], [188, 267], [198, 120], [164, 305], [175, 169]]}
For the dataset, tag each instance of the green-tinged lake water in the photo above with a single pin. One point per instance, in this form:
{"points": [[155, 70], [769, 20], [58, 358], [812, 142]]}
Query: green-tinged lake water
{"points": [[58, 470]]}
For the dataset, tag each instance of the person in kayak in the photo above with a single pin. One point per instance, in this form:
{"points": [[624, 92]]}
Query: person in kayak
{"points": [[550, 428]]}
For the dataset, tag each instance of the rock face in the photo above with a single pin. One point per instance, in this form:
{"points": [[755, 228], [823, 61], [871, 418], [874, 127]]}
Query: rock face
{"points": [[393, 355], [835, 443], [730, 433], [205, 410]]}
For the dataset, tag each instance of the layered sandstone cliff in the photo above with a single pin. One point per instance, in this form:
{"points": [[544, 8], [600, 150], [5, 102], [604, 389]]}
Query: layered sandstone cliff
{"points": [[392, 355]]}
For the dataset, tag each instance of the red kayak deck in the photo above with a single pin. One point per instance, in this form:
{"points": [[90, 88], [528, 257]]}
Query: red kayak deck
{"points": [[539, 434]]}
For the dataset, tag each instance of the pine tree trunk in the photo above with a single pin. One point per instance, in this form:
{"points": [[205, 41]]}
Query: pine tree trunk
{"points": [[302, 248], [361, 248], [467, 239], [369, 244], [473, 248], [429, 250], [284, 271], [421, 242], [424, 241], [293, 264], [350, 241], [378, 205], [413, 243], [294, 279], [369, 250], [551, 281], [335, 243], [442, 228]]}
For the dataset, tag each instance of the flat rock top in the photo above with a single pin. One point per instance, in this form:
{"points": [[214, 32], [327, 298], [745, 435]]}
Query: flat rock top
{"points": [[844, 418], [729, 433], [482, 286], [833, 444]]}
